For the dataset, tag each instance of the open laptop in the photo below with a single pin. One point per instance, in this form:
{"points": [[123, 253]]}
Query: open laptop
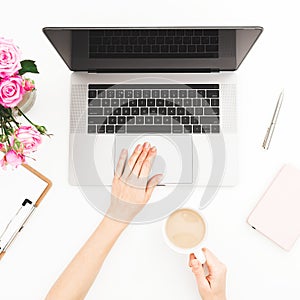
{"points": [[171, 86]]}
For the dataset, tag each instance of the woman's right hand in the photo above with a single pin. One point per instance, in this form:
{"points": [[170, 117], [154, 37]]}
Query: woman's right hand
{"points": [[212, 286]]}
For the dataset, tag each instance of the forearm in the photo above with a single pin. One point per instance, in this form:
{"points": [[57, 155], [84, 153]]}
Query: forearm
{"points": [[75, 281]]}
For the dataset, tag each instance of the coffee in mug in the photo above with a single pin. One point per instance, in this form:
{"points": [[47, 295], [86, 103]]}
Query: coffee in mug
{"points": [[185, 228]]}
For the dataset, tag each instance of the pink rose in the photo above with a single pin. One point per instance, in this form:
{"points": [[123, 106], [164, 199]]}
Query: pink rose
{"points": [[2, 147], [11, 91], [29, 137], [29, 85], [13, 158], [9, 58]]}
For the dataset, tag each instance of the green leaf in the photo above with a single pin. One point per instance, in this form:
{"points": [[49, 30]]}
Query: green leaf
{"points": [[28, 66]]}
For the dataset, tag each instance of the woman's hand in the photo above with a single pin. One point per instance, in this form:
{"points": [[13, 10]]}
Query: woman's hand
{"points": [[212, 286], [131, 189]]}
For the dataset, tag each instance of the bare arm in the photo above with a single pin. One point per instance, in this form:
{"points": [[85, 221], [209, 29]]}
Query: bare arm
{"points": [[130, 192]]}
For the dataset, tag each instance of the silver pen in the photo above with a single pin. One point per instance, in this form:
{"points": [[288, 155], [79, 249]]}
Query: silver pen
{"points": [[270, 131]]}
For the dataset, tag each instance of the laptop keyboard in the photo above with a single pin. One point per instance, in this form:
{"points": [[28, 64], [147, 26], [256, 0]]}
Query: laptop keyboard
{"points": [[153, 108], [198, 43]]}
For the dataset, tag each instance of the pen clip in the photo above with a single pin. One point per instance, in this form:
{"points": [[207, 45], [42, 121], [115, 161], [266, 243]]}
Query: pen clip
{"points": [[265, 144]]}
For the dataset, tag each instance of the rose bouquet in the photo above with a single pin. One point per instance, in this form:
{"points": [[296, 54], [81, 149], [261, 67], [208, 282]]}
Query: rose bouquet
{"points": [[17, 141]]}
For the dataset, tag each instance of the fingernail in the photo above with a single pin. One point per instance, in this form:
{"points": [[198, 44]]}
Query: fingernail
{"points": [[153, 149], [146, 145], [159, 177], [139, 147]]}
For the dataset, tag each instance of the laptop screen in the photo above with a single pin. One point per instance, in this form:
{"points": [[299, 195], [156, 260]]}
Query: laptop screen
{"points": [[172, 49]]}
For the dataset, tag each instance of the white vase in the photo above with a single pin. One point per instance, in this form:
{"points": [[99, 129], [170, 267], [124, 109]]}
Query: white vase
{"points": [[27, 102]]}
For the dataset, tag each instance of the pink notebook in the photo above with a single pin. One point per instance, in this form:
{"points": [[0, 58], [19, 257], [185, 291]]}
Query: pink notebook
{"points": [[277, 214]]}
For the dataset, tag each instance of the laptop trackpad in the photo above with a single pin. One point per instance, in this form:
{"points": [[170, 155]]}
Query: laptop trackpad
{"points": [[174, 155]]}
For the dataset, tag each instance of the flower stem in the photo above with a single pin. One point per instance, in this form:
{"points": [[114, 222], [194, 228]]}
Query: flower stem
{"points": [[20, 111]]}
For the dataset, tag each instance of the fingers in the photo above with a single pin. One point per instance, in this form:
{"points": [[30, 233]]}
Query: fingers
{"points": [[121, 163], [212, 262], [192, 256], [152, 183], [147, 164], [198, 272], [140, 160], [132, 160]]}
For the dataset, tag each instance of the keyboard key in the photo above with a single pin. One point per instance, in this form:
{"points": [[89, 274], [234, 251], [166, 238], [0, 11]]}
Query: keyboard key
{"points": [[180, 111], [95, 111], [211, 111], [167, 120], [107, 111], [196, 129], [177, 128], [130, 120], [126, 111], [214, 102], [142, 102], [212, 48], [192, 93], [123, 102], [178, 102], [101, 94], [146, 93], [150, 102], [205, 102], [135, 111], [194, 120], [165, 94], [205, 129], [189, 111], [171, 111], [120, 94], [209, 120], [160, 102], [182, 94], [157, 120], [101, 129], [212, 94], [176, 120], [187, 102], [139, 120], [148, 120], [153, 111], [112, 120], [133, 102], [198, 111], [155, 94], [173, 94], [187, 129], [169, 102], [201, 93], [94, 102], [110, 129], [196, 102], [185, 120], [214, 40], [92, 94], [215, 128], [110, 94], [119, 129], [149, 129], [162, 111], [115, 102], [92, 129], [121, 120], [117, 111], [96, 120], [105, 102], [137, 93], [144, 110]]}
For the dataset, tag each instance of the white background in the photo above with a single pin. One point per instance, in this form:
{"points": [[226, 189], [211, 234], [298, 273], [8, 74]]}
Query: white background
{"points": [[140, 265]]}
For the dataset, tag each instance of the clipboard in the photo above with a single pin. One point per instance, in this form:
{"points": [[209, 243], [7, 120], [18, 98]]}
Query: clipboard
{"points": [[24, 189]]}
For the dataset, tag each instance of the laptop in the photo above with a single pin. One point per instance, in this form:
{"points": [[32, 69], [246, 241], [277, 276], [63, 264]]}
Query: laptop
{"points": [[172, 86]]}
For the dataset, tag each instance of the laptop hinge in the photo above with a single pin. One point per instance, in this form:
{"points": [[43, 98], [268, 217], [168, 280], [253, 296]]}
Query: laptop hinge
{"points": [[154, 70]]}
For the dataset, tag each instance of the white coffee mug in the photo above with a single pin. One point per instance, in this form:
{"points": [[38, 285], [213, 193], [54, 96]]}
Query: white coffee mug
{"points": [[197, 249]]}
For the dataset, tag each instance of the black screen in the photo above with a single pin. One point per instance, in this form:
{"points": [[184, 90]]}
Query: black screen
{"points": [[188, 49]]}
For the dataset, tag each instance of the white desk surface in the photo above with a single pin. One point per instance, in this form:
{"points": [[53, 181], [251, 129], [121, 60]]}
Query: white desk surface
{"points": [[140, 265]]}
